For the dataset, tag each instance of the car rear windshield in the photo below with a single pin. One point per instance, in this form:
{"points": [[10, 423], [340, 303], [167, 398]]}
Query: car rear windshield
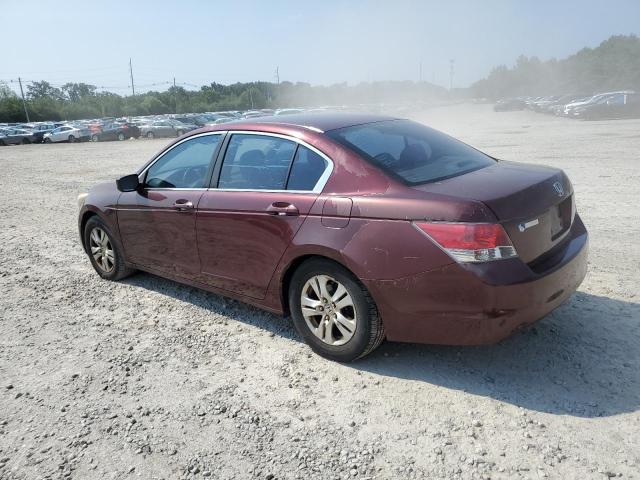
{"points": [[410, 151]]}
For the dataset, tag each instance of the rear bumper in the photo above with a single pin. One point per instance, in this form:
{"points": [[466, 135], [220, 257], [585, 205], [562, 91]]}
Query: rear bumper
{"points": [[482, 303]]}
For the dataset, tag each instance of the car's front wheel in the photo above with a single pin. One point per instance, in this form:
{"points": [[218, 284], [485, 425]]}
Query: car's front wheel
{"points": [[121, 136], [104, 253], [150, 135], [333, 311]]}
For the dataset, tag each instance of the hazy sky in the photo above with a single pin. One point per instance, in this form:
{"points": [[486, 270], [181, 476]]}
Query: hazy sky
{"points": [[320, 42]]}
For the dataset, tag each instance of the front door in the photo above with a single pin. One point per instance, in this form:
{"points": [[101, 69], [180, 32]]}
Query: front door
{"points": [[267, 186], [158, 222]]}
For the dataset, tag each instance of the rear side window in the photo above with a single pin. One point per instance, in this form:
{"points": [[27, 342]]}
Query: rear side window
{"points": [[184, 166], [306, 170], [410, 151], [256, 162]]}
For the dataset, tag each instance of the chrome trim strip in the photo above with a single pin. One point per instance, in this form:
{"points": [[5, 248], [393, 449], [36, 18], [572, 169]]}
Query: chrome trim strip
{"points": [[153, 189]]}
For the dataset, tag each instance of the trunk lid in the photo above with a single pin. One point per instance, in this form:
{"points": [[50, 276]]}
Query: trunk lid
{"points": [[533, 203]]}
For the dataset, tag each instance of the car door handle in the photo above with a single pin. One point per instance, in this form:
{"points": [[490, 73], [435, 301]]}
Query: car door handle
{"points": [[283, 208], [183, 205]]}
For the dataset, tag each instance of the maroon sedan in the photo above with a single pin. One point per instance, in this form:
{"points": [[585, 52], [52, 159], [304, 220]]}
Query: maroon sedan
{"points": [[361, 227]]}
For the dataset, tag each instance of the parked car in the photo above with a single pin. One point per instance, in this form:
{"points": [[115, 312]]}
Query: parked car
{"points": [[288, 111], [254, 114], [509, 104], [66, 133], [622, 105], [165, 128], [363, 227], [569, 108], [15, 136], [116, 131]]}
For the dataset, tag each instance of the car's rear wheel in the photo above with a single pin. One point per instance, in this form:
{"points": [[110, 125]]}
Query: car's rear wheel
{"points": [[104, 253], [72, 139], [94, 137], [179, 133], [333, 311], [121, 136], [150, 135], [47, 140]]}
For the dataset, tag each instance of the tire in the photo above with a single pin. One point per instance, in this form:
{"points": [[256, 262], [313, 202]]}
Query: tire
{"points": [[121, 136], [95, 138], [72, 139], [150, 135], [109, 267], [47, 140], [342, 343], [179, 133]]}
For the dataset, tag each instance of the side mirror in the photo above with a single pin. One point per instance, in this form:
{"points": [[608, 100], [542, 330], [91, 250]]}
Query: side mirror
{"points": [[128, 183]]}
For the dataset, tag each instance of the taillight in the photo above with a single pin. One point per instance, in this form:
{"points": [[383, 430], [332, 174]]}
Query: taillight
{"points": [[470, 242]]}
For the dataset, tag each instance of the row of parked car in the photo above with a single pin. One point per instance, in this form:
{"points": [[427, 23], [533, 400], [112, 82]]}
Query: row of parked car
{"points": [[105, 129], [599, 106]]}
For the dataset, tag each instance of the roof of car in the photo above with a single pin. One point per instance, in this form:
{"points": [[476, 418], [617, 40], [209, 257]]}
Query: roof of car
{"points": [[318, 121]]}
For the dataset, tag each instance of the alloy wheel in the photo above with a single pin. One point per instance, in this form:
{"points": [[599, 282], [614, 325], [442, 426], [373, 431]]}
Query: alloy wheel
{"points": [[328, 310], [102, 250]]}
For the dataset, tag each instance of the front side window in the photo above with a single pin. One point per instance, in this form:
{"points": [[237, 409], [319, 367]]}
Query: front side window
{"points": [[256, 162], [184, 166], [410, 151]]}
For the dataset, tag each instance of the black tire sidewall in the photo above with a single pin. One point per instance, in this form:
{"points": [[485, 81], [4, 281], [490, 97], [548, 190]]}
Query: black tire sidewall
{"points": [[119, 265], [358, 344]]}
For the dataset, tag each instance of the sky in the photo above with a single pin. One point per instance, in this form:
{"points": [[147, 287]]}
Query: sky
{"points": [[321, 42]]}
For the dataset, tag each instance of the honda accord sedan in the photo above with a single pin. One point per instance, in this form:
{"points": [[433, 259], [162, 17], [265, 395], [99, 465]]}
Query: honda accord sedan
{"points": [[360, 227]]}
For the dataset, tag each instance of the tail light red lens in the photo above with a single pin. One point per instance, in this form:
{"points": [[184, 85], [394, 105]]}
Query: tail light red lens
{"points": [[470, 242]]}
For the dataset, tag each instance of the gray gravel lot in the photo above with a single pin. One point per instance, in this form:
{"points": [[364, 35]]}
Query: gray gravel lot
{"points": [[150, 379]]}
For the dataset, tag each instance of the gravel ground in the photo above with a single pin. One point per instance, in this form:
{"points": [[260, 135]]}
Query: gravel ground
{"points": [[147, 378]]}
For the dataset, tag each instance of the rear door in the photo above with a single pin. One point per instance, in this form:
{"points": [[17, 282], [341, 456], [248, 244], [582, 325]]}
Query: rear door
{"points": [[266, 185], [158, 222]]}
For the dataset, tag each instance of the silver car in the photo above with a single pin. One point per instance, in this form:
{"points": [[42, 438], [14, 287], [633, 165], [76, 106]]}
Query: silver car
{"points": [[66, 133], [165, 128]]}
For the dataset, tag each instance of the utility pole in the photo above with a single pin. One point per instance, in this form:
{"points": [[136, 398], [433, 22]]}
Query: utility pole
{"points": [[175, 97], [133, 88], [451, 71], [278, 75], [251, 96], [24, 103]]}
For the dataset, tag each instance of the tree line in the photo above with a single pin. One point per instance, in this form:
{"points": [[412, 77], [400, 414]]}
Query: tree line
{"points": [[613, 65], [81, 101]]}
